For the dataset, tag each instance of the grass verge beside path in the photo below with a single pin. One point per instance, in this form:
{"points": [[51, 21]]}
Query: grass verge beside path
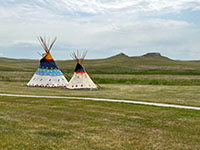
{"points": [[35, 123]]}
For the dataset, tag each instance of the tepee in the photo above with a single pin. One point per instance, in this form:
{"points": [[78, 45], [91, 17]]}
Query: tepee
{"points": [[48, 74], [80, 78]]}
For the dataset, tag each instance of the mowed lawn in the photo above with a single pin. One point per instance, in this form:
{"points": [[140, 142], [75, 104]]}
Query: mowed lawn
{"points": [[43, 124], [182, 95]]}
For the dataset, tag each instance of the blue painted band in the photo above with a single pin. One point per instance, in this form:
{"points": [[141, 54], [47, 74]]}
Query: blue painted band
{"points": [[48, 72]]}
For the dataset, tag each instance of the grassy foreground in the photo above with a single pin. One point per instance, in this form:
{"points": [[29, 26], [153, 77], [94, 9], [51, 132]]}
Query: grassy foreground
{"points": [[30, 123]]}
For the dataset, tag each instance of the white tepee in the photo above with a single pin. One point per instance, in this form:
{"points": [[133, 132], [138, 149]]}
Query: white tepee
{"points": [[48, 74], [80, 78]]}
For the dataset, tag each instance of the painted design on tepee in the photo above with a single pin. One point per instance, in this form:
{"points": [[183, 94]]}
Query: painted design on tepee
{"points": [[80, 78], [48, 74]]}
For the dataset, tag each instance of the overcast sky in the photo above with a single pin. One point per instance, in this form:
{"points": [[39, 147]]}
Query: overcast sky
{"points": [[103, 27]]}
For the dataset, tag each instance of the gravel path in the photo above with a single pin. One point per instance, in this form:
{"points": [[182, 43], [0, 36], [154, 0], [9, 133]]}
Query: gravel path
{"points": [[108, 100]]}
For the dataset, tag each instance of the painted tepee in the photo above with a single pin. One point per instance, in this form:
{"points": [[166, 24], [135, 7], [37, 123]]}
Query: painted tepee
{"points": [[48, 74], [80, 78]]}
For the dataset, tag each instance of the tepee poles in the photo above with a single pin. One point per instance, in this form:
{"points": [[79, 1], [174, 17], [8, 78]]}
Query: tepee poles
{"points": [[78, 57], [45, 45]]}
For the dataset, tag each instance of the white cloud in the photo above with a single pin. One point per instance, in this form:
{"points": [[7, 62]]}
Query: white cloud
{"points": [[100, 25], [98, 6], [43, 8]]}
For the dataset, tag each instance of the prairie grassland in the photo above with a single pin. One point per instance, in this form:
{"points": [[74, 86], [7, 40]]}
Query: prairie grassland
{"points": [[14, 76], [183, 95], [114, 65], [39, 123], [147, 79], [35, 123]]}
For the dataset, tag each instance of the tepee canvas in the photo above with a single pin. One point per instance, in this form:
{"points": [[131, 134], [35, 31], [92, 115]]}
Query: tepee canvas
{"points": [[48, 74], [80, 78]]}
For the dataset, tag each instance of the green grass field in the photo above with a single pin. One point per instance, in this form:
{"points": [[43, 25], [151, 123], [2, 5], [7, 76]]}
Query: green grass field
{"points": [[40, 123], [35, 123]]}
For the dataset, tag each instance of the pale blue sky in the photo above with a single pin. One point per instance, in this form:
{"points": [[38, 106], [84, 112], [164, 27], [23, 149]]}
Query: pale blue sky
{"points": [[103, 27]]}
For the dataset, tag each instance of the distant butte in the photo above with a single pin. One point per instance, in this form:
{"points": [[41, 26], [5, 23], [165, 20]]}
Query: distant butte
{"points": [[152, 55]]}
